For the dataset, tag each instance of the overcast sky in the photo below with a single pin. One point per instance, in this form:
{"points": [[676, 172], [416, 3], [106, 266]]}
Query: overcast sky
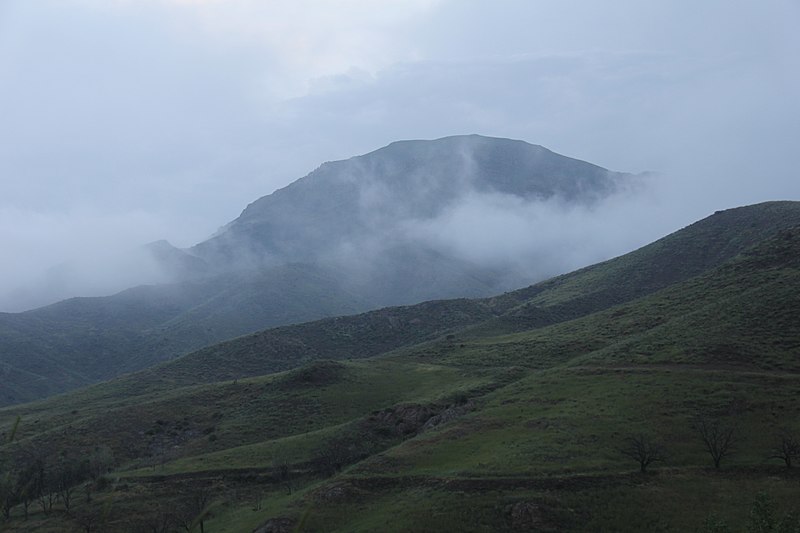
{"points": [[127, 121]]}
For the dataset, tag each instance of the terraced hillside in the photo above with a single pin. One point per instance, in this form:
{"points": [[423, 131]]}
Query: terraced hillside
{"points": [[510, 413]]}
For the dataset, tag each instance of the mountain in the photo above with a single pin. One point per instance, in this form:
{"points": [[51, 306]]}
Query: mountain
{"points": [[502, 413], [342, 240], [343, 203]]}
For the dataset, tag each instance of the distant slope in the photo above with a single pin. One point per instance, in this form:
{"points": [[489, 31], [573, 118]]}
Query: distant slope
{"points": [[677, 257], [334, 242], [84, 340], [740, 315]]}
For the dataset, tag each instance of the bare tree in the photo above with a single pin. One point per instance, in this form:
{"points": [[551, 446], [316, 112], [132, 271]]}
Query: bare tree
{"points": [[16, 488], [43, 488], [282, 470], [69, 475], [89, 516], [786, 449], [25, 483], [643, 450], [195, 510], [718, 437], [8, 494]]}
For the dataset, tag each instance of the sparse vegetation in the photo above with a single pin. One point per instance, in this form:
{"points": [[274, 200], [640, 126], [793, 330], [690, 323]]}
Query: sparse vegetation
{"points": [[718, 436], [787, 449], [644, 450]]}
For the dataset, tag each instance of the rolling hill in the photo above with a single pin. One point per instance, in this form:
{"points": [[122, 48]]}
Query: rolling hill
{"points": [[506, 413]]}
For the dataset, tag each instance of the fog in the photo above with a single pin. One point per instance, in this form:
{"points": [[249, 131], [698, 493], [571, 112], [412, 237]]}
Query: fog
{"points": [[126, 122], [538, 239]]}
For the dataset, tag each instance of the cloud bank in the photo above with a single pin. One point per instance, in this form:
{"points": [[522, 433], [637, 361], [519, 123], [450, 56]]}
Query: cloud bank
{"points": [[163, 119]]}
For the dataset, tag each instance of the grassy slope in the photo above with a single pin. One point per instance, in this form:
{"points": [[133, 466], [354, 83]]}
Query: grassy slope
{"points": [[275, 350], [677, 257], [754, 292], [569, 418], [231, 427], [240, 413], [543, 451], [537, 445]]}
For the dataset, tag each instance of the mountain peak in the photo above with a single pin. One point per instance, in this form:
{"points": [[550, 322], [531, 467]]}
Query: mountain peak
{"points": [[375, 195]]}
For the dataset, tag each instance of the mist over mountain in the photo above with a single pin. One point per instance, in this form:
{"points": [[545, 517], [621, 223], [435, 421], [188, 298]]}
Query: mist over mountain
{"points": [[405, 222], [380, 193], [459, 216], [464, 216]]}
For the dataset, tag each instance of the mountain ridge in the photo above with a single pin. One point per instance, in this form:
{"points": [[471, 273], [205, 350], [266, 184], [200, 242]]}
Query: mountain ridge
{"points": [[423, 170], [334, 242]]}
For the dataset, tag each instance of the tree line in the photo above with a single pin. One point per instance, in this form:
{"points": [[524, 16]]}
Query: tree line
{"points": [[719, 438]]}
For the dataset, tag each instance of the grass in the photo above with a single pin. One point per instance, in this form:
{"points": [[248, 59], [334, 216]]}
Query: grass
{"points": [[549, 443], [529, 419], [207, 418], [574, 420], [655, 504], [678, 324]]}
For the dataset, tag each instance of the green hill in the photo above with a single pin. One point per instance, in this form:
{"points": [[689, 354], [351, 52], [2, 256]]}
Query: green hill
{"points": [[501, 414]]}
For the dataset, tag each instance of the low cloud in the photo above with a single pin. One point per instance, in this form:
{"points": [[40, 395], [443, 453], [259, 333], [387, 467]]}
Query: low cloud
{"points": [[540, 238], [172, 135], [54, 256]]}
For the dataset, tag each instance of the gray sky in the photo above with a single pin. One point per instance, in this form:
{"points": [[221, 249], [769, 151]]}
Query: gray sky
{"points": [[127, 121]]}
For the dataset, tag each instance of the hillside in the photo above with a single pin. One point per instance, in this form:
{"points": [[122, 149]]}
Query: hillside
{"points": [[678, 257], [338, 241], [675, 258], [469, 415]]}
